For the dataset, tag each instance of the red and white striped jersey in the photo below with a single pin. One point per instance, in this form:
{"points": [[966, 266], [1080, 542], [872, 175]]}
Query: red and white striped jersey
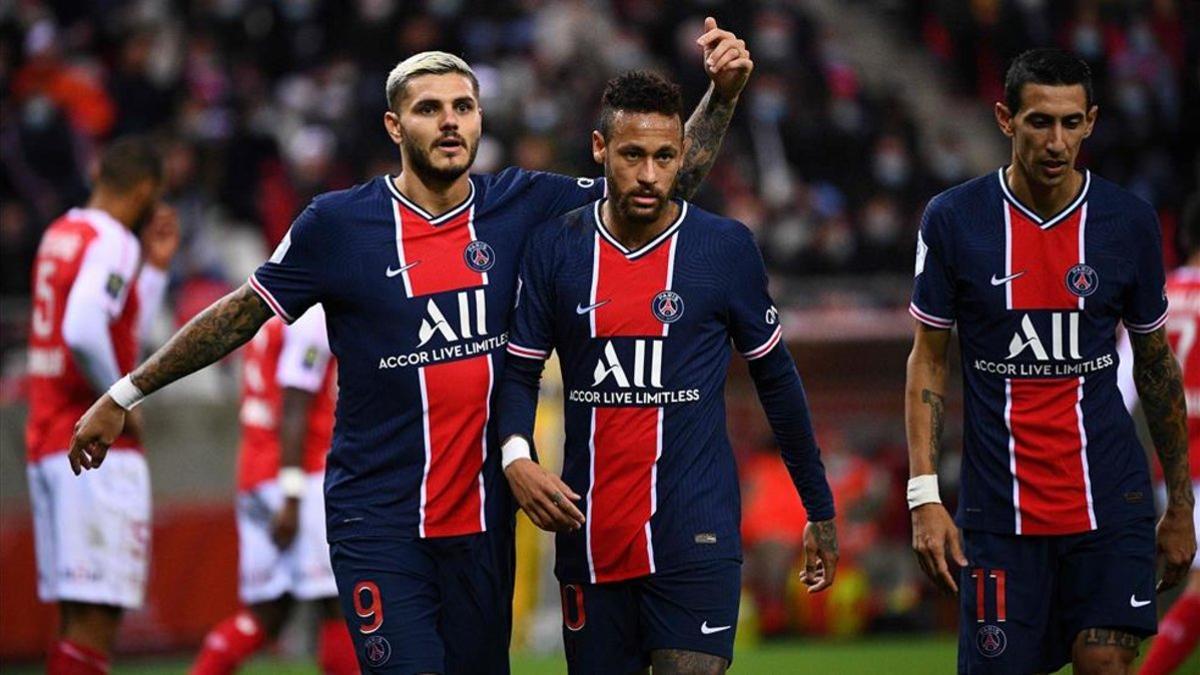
{"points": [[86, 259], [278, 357], [1183, 291]]}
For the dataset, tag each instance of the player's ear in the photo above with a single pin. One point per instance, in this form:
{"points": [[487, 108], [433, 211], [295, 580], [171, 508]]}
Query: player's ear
{"points": [[599, 151], [391, 122], [1004, 119], [1090, 120]]}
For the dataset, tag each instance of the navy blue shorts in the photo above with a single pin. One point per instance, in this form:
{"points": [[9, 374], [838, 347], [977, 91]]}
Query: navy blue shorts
{"points": [[612, 627], [1024, 599], [427, 605]]}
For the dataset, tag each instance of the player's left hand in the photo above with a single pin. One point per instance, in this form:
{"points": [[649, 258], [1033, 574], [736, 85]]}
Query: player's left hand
{"points": [[820, 555], [94, 433], [160, 237], [286, 524], [1175, 537], [726, 60]]}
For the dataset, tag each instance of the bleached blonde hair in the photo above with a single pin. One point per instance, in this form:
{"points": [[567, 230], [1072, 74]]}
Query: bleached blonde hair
{"points": [[425, 63]]}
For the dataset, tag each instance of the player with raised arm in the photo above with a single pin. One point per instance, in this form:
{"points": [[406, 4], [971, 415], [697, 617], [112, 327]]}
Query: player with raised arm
{"points": [[289, 387], [417, 274], [642, 297], [1036, 264], [96, 289], [1179, 630]]}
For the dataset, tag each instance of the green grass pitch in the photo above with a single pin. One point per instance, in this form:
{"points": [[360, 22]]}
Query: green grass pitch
{"points": [[891, 655]]}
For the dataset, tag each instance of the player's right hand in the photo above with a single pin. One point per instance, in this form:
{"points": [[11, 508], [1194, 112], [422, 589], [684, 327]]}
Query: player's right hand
{"points": [[544, 497], [936, 541], [94, 432], [286, 524]]}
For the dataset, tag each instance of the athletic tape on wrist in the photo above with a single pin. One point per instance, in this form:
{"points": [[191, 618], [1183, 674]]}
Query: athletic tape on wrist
{"points": [[125, 393], [516, 447], [291, 481], [923, 490]]}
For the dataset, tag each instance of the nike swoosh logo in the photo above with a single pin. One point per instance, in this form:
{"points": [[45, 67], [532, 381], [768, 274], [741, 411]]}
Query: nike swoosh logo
{"points": [[391, 272], [1134, 602], [1004, 280], [580, 309], [704, 628]]}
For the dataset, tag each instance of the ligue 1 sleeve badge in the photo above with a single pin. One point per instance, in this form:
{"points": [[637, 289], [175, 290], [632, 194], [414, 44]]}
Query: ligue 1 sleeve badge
{"points": [[1082, 280], [667, 306], [479, 256], [991, 640]]}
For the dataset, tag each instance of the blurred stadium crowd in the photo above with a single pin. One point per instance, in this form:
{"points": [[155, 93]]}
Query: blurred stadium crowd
{"points": [[263, 104], [268, 103]]}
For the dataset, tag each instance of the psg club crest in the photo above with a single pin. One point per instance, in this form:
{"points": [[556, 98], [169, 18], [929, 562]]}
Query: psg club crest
{"points": [[377, 650], [1082, 280], [991, 640], [667, 306], [479, 256]]}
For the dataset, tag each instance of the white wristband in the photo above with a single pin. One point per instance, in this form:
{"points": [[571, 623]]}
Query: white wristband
{"points": [[923, 490], [516, 447], [125, 393], [291, 481]]}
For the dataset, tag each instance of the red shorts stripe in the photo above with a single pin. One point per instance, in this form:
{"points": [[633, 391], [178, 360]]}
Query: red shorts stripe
{"points": [[1049, 465], [456, 412], [625, 445]]}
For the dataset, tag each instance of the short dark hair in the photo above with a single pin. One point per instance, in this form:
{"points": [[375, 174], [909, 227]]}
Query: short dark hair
{"points": [[638, 91], [128, 161], [1045, 66]]}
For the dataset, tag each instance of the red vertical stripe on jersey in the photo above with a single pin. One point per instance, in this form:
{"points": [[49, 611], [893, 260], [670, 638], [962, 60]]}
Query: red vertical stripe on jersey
{"points": [[455, 396], [1042, 258], [1048, 440], [1045, 430], [627, 289], [433, 256], [620, 502]]}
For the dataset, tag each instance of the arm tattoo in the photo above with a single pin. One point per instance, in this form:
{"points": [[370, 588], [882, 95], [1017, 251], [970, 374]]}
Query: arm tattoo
{"points": [[681, 662], [937, 420], [1108, 637], [1160, 386], [706, 127], [226, 325], [827, 536]]}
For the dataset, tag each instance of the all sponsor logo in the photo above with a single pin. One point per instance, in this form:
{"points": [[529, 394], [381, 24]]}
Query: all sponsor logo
{"points": [[479, 256], [1082, 280], [991, 640], [667, 306]]}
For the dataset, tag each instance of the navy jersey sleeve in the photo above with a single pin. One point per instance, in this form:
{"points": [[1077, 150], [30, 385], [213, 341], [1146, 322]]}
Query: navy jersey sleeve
{"points": [[757, 332], [289, 280], [933, 284], [530, 341], [1145, 308], [753, 319], [564, 193]]}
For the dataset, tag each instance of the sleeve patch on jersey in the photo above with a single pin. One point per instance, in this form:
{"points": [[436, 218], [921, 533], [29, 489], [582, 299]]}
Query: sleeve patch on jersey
{"points": [[282, 249], [114, 285], [922, 250], [310, 358]]}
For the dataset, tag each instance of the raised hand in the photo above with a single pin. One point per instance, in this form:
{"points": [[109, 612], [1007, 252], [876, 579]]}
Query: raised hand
{"points": [[726, 60]]}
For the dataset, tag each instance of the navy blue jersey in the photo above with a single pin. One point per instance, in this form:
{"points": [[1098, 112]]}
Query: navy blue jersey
{"points": [[1048, 445], [644, 342], [417, 311]]}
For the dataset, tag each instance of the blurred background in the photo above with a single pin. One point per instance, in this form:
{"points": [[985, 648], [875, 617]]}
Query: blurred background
{"points": [[857, 113]]}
